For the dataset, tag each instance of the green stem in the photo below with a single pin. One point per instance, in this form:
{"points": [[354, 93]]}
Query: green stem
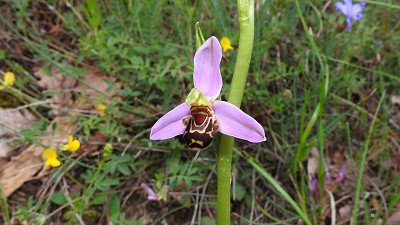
{"points": [[360, 187], [224, 162]]}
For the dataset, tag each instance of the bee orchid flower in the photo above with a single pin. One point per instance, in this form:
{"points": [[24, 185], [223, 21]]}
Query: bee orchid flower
{"points": [[201, 116]]}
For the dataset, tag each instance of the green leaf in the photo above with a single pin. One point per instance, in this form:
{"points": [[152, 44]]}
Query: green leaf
{"points": [[87, 176], [98, 200], [30, 201], [199, 36], [207, 221], [124, 169], [173, 163], [113, 207], [91, 4], [106, 183], [134, 222], [196, 178], [44, 207], [240, 192], [58, 199], [2, 54]]}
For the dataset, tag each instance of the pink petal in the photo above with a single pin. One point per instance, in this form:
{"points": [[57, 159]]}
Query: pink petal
{"points": [[150, 193], [171, 123], [234, 122], [206, 75], [153, 198]]}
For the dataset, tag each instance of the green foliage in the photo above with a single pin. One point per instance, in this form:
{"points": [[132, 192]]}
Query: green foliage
{"points": [[240, 192], [179, 172], [21, 10], [113, 207], [92, 13], [207, 221], [121, 220], [99, 182], [185, 174], [121, 165], [33, 212], [59, 199], [4, 206]]}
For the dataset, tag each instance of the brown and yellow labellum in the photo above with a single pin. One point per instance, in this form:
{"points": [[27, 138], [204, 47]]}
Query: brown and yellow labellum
{"points": [[201, 127]]}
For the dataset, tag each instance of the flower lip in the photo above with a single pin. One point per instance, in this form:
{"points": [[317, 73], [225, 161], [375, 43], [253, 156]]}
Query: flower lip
{"points": [[206, 75]]}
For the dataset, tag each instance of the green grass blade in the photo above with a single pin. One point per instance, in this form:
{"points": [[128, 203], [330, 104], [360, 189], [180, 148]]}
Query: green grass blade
{"points": [[276, 185], [4, 206], [362, 162]]}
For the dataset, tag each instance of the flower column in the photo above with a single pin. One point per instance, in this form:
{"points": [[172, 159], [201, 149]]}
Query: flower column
{"points": [[246, 26]]}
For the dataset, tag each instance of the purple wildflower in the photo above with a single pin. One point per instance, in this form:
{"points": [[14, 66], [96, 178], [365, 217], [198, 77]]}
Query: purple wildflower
{"points": [[328, 184], [201, 116], [340, 175], [350, 11], [150, 193], [314, 183]]}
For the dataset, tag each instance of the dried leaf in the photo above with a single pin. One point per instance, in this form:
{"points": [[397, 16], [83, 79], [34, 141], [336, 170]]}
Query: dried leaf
{"points": [[91, 88], [24, 166], [56, 81], [395, 99], [20, 169], [95, 80], [312, 165], [345, 212], [12, 121], [59, 84]]}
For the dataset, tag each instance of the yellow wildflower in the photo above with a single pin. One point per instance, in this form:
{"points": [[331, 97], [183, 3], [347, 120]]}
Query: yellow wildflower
{"points": [[225, 44], [72, 144], [51, 158], [101, 108], [9, 79]]}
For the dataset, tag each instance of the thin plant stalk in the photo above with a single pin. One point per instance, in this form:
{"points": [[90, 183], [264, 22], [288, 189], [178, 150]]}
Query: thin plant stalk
{"points": [[224, 161], [278, 187], [359, 187]]}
